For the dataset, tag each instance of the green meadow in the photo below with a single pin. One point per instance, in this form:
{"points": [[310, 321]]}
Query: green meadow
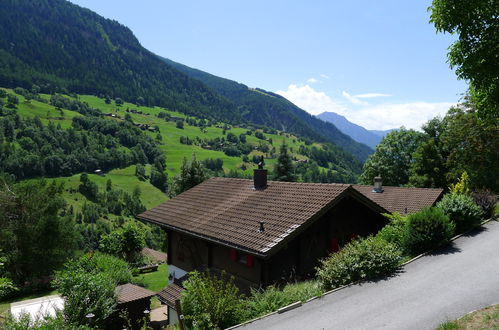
{"points": [[124, 178]]}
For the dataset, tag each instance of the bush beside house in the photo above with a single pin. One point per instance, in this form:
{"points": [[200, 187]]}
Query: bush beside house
{"points": [[359, 260], [462, 210], [210, 302], [426, 230]]}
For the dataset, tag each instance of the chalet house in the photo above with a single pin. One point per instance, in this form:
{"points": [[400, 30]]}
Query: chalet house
{"points": [[266, 232]]}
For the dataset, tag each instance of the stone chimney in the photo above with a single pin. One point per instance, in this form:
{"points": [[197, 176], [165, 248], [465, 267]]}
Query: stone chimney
{"points": [[378, 184], [260, 176]]}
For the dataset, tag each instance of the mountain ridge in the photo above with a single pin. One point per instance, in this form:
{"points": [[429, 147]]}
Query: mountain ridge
{"points": [[59, 47], [360, 134], [255, 107]]}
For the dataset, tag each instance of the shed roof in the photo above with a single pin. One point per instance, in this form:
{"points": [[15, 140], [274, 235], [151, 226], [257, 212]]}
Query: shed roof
{"points": [[169, 294], [131, 292], [158, 256], [400, 199]]}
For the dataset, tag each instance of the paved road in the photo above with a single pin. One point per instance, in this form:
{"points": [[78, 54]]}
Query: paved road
{"points": [[429, 291]]}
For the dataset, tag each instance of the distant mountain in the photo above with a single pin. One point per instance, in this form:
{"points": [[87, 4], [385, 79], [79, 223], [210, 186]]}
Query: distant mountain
{"points": [[266, 108], [382, 133], [369, 137]]}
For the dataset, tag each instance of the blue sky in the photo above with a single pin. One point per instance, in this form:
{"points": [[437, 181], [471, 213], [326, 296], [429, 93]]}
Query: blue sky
{"points": [[379, 63]]}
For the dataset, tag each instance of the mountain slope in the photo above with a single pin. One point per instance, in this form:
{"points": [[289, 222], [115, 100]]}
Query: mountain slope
{"points": [[60, 46], [356, 132], [56, 44], [265, 108]]}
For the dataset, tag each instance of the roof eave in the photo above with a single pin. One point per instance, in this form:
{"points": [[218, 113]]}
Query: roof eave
{"points": [[204, 237]]}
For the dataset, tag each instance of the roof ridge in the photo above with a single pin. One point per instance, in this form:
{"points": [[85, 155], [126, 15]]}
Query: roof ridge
{"points": [[282, 182], [421, 188]]}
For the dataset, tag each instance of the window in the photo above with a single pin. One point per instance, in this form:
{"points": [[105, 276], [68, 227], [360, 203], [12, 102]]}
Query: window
{"points": [[242, 258]]}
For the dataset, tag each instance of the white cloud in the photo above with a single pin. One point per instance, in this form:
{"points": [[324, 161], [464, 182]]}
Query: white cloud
{"points": [[390, 115], [312, 80], [381, 116], [325, 76], [371, 95], [311, 100], [353, 99]]}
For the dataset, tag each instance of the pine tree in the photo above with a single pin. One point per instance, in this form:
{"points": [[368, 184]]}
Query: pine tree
{"points": [[191, 174], [283, 169]]}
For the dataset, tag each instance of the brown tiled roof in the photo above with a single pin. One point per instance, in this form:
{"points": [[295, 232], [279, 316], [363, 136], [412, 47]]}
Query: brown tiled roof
{"points": [[158, 256], [400, 199], [228, 210], [169, 294], [130, 292]]}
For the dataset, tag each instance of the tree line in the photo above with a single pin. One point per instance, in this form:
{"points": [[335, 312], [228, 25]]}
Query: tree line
{"points": [[437, 157]]}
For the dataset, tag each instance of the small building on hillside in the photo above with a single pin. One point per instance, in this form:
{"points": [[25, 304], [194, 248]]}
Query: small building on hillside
{"points": [[268, 232], [135, 302]]}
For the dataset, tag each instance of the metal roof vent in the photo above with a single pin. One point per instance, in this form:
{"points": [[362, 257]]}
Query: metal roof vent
{"points": [[378, 184]]}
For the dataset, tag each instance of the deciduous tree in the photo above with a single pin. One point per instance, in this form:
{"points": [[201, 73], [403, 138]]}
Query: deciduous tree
{"points": [[392, 158], [475, 54]]}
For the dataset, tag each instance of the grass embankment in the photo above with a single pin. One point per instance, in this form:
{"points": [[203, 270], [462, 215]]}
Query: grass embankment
{"points": [[123, 178], [272, 298], [487, 318]]}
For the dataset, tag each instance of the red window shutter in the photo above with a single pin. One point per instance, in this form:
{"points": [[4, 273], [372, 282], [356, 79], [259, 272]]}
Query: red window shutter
{"points": [[249, 261], [334, 245], [233, 254]]}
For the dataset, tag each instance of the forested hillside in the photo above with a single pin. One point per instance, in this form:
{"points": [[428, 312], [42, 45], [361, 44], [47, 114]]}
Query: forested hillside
{"points": [[266, 108], [59, 47]]}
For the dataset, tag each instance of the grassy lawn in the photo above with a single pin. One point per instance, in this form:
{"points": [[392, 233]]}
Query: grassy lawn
{"points": [[5, 305], [154, 281], [487, 318]]}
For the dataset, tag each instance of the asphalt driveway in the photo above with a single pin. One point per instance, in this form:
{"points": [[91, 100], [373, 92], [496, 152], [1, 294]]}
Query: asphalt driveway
{"points": [[429, 291]]}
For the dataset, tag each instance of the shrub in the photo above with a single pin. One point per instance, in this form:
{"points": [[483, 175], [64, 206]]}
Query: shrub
{"points": [[428, 229], [7, 288], [86, 292], [395, 231], [211, 302], [486, 200], [462, 186], [359, 260], [126, 242], [116, 269], [25, 321], [265, 301], [462, 210], [87, 285]]}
